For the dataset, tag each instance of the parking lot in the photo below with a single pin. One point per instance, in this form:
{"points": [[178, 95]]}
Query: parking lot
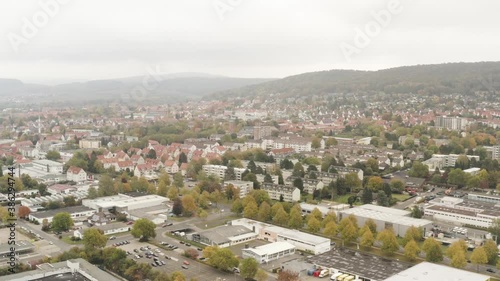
{"points": [[173, 259]]}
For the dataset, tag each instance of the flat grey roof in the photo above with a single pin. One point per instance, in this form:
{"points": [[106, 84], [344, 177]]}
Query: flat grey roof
{"points": [[21, 245], [386, 214], [222, 234], [51, 213], [359, 263], [426, 271], [52, 271]]}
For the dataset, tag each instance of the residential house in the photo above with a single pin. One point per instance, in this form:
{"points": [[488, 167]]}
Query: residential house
{"points": [[76, 174], [171, 167]]}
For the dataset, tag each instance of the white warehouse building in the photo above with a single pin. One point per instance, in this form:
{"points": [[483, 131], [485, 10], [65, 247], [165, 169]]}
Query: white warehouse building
{"points": [[122, 202], [385, 217], [301, 240], [269, 252]]}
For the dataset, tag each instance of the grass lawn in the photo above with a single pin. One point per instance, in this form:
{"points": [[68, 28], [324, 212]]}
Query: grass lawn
{"points": [[343, 199], [400, 197], [67, 240]]}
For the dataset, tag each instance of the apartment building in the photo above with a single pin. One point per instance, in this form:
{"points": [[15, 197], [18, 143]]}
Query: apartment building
{"points": [[287, 193]]}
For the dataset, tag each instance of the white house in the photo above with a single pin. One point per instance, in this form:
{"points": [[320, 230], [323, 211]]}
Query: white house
{"points": [[113, 228], [76, 174], [171, 167]]}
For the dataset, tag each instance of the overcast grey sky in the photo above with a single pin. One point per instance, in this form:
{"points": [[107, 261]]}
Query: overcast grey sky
{"points": [[99, 39]]}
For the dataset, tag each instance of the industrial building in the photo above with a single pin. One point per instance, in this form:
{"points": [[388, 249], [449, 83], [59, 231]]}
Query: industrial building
{"points": [[124, 203], [301, 240], [361, 265], [225, 236], [79, 214], [385, 217], [308, 208], [76, 270], [479, 212], [426, 271], [269, 252]]}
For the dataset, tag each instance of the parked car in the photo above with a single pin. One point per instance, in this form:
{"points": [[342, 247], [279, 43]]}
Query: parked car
{"points": [[490, 270], [112, 238], [185, 262], [184, 266]]}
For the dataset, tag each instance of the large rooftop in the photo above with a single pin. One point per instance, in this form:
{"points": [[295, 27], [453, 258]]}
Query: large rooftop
{"points": [[386, 214], [426, 271], [298, 235], [271, 248], [223, 233], [362, 264], [70, 210]]}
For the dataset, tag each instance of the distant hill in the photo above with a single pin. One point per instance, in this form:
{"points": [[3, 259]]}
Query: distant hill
{"points": [[432, 79], [172, 87]]}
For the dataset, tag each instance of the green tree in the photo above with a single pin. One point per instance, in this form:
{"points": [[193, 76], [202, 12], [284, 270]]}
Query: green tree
{"points": [[367, 238], [418, 170], [389, 241], [179, 180], [162, 189], [412, 250], [330, 216], [237, 207], [348, 230], [223, 259], [491, 251], [353, 181], [313, 224], [367, 196], [177, 207], [94, 238], [375, 183], [295, 220], [330, 230], [264, 212], [92, 193], [382, 199], [432, 250], [397, 186], [203, 215], [478, 257], [457, 177], [316, 143], [458, 260], [53, 155], [249, 268], [371, 225], [143, 229], [494, 229], [416, 212], [251, 210], [189, 206], [412, 233], [298, 170], [177, 276], [106, 186], [62, 222], [275, 207], [281, 217]]}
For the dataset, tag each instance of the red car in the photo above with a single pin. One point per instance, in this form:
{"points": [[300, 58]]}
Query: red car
{"points": [[186, 262], [130, 222]]}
